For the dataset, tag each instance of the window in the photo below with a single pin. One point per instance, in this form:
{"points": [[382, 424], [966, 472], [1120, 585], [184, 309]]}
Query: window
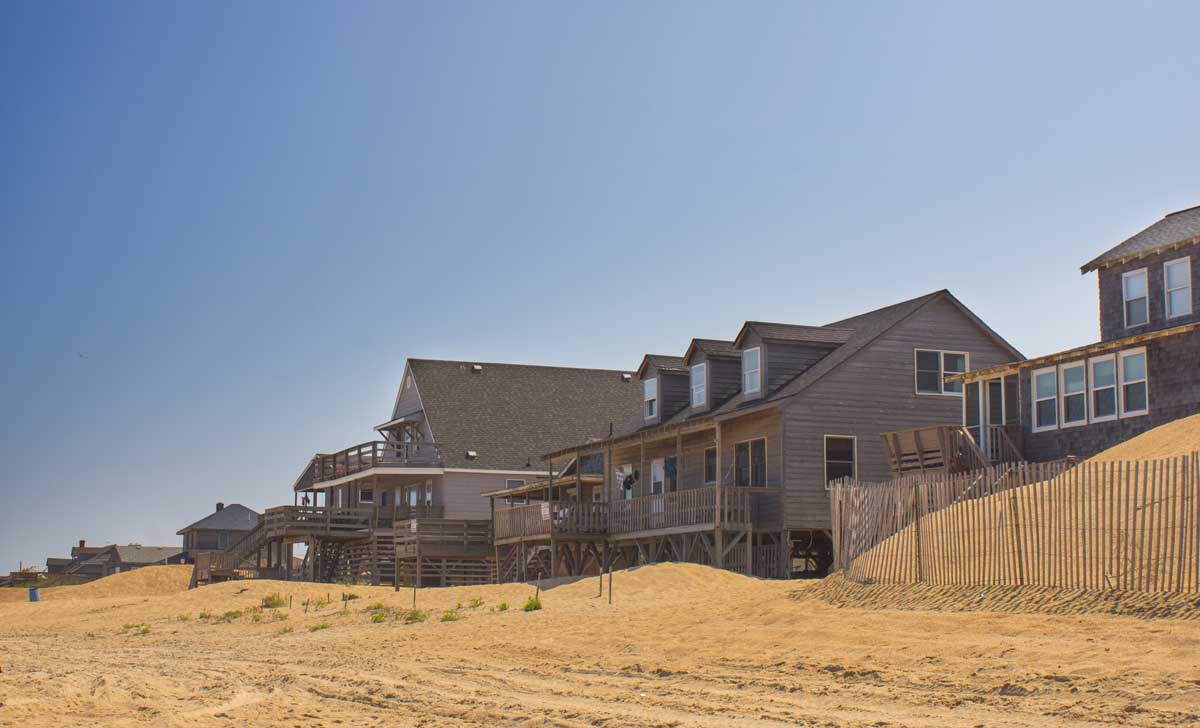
{"points": [[839, 457], [752, 370], [1134, 397], [699, 384], [656, 476], [1045, 399], [1073, 385], [650, 398], [1103, 388], [1133, 288], [625, 481], [1177, 280], [751, 463], [710, 465], [515, 483], [366, 496], [934, 366]]}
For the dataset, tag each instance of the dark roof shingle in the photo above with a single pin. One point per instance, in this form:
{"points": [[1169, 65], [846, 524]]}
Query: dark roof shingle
{"points": [[510, 414], [233, 517], [1177, 227]]}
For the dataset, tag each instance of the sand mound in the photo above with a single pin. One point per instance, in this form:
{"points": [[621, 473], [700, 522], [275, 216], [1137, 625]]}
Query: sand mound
{"points": [[1181, 437], [150, 581]]}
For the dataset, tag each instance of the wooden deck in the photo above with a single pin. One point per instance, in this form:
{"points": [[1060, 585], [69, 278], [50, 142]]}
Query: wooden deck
{"points": [[684, 511], [543, 521], [360, 458]]}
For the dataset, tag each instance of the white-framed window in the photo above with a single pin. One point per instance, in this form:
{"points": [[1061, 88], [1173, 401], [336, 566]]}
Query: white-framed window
{"points": [[511, 483], [1102, 384], [1072, 386], [366, 496], [841, 457], [1045, 399], [752, 370], [710, 465], [1135, 396], [1136, 297], [657, 473], [650, 398], [1177, 284], [699, 376], [750, 460], [932, 366]]}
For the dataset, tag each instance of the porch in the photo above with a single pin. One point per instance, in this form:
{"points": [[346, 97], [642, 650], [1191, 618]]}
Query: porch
{"points": [[367, 456]]}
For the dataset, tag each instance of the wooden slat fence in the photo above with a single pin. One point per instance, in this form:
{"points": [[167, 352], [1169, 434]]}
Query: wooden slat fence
{"points": [[1095, 525]]}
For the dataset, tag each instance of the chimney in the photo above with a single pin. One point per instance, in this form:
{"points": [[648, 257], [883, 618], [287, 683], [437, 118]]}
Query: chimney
{"points": [[82, 543], [220, 506]]}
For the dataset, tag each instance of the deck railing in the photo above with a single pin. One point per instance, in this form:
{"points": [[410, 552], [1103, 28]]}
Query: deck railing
{"points": [[683, 508], [544, 519], [376, 454]]}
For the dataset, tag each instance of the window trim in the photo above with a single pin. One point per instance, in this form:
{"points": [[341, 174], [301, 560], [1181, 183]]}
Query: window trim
{"points": [[519, 500], [1092, 388], [825, 456], [362, 492], [966, 355], [766, 462], [704, 467], [1121, 357], [757, 370], [1125, 297], [1167, 290], [1033, 397], [646, 414], [662, 484], [1062, 394], [702, 367]]}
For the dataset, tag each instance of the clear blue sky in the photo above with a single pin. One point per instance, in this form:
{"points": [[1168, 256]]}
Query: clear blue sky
{"points": [[226, 225]]}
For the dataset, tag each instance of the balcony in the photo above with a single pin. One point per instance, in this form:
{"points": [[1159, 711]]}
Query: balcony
{"points": [[360, 458], [696, 509], [556, 518]]}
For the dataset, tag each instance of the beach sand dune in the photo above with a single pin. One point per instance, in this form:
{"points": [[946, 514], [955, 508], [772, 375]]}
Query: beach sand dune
{"points": [[681, 645]]}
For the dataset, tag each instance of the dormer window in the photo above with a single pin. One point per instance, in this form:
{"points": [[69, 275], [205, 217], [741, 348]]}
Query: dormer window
{"points": [[699, 384], [752, 370], [650, 398]]}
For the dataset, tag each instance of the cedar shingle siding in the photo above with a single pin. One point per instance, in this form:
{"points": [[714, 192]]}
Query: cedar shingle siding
{"points": [[1112, 302]]}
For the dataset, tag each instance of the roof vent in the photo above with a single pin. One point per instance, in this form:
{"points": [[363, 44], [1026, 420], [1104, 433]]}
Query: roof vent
{"points": [[626, 377], [471, 454], [220, 506], [476, 368]]}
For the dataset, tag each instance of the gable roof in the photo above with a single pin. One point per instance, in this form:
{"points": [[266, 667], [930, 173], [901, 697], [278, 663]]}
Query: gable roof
{"points": [[1176, 228], [233, 517], [711, 348], [509, 414], [792, 332], [136, 554], [863, 329], [662, 363]]}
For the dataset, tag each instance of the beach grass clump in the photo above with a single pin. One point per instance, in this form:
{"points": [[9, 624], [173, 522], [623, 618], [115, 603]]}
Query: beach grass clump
{"points": [[319, 627], [231, 616], [376, 607], [451, 616], [476, 603], [273, 601], [532, 604], [287, 629], [502, 607], [379, 617], [413, 616]]}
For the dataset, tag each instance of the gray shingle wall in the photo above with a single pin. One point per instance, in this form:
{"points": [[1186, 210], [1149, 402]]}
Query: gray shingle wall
{"points": [[1173, 366], [1112, 303]]}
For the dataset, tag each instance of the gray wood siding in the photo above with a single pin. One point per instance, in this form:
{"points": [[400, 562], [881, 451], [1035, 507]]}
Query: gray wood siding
{"points": [[724, 379], [459, 493], [871, 393], [768, 424], [785, 360], [674, 394], [1112, 302]]}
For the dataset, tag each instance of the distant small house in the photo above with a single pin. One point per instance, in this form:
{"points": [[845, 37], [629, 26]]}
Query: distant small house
{"points": [[218, 529], [116, 559]]}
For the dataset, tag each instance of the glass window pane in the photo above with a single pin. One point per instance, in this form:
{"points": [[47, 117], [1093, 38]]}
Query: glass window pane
{"points": [[1046, 413], [1074, 408], [955, 363], [758, 456], [839, 448], [1135, 397], [710, 465], [1046, 385], [1135, 312], [1104, 402], [929, 361], [1134, 367], [835, 471], [956, 387], [742, 469], [1135, 286], [1104, 373], [750, 359], [650, 389], [1073, 380], [929, 382], [1179, 303], [1177, 274]]}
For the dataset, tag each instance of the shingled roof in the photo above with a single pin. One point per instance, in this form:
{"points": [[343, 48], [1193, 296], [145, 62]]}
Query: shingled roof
{"points": [[711, 348], [663, 363], [1176, 228], [233, 517], [793, 332], [509, 414]]}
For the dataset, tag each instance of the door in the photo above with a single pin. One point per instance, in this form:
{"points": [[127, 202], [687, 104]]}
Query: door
{"points": [[993, 417]]}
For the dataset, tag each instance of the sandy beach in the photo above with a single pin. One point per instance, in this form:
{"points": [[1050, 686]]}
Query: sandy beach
{"points": [[681, 645]]}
